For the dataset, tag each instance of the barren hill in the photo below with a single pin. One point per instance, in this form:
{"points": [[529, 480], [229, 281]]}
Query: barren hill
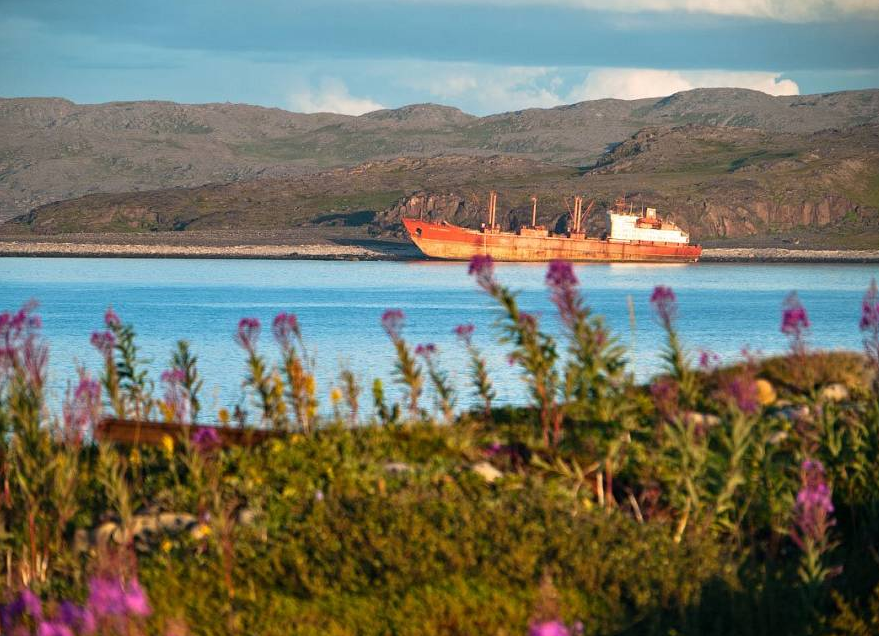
{"points": [[718, 182], [53, 149]]}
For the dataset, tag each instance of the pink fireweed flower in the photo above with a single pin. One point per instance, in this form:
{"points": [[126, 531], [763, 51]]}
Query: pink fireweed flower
{"points": [[666, 397], [104, 341], [465, 332], [482, 268], [111, 318], [54, 628], [527, 320], [106, 597], [665, 303], [548, 628], [20, 346], [82, 410], [708, 361], [80, 619], [560, 275], [870, 309], [563, 283], [175, 398], [25, 603], [136, 603], [813, 513], [247, 334], [284, 328], [425, 350], [392, 322], [795, 322], [741, 390], [206, 439]]}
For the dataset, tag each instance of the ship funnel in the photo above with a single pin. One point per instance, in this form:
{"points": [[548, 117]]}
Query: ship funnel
{"points": [[533, 211]]}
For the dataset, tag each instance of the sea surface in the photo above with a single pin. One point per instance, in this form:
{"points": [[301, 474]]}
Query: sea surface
{"points": [[723, 308]]}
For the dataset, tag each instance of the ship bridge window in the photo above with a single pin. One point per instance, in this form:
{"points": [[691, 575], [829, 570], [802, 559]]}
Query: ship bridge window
{"points": [[418, 231]]}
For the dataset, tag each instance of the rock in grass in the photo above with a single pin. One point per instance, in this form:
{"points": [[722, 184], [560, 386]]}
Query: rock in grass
{"points": [[487, 471], [836, 392]]}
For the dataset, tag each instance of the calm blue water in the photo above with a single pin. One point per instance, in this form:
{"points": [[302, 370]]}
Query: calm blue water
{"points": [[723, 307]]}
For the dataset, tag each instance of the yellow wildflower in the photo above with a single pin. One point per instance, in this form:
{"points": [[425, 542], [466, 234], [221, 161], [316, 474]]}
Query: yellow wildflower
{"points": [[168, 446], [134, 457], [201, 531], [336, 395], [765, 392], [224, 416], [166, 545]]}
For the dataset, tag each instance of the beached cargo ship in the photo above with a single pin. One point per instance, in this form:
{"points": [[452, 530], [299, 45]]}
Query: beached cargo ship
{"points": [[630, 236]]}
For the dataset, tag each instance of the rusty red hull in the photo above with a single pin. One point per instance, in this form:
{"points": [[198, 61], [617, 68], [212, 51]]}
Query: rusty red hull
{"points": [[441, 240]]}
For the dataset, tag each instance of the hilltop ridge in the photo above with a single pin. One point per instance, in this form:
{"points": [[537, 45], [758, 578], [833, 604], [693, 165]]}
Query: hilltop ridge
{"points": [[52, 149]]}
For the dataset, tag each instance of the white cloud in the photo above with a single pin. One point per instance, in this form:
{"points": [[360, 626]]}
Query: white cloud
{"points": [[331, 97], [782, 10], [632, 83], [486, 88], [491, 89]]}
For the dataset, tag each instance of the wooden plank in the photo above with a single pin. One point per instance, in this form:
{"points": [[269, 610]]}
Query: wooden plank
{"points": [[150, 433]]}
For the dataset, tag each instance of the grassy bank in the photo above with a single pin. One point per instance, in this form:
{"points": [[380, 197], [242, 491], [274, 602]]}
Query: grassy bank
{"points": [[718, 499]]}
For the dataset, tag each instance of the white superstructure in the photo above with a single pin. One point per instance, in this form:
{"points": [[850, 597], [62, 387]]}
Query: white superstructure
{"points": [[625, 226]]}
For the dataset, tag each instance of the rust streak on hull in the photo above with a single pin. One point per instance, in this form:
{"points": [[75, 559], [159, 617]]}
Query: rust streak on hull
{"points": [[450, 242]]}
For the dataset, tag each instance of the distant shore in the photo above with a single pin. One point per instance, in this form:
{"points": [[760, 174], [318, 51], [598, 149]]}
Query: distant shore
{"points": [[365, 250]]}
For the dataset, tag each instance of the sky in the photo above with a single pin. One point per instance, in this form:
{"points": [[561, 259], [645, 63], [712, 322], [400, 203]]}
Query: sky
{"points": [[483, 56]]}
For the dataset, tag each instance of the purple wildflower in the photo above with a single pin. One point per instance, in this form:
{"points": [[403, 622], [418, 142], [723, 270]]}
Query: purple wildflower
{"points": [[54, 628], [111, 318], [104, 341], [527, 320], [482, 267], [666, 397], [813, 514], [560, 275], [175, 398], [795, 322], [81, 411], [78, 618], [20, 346], [106, 597], [248, 334], [563, 283], [465, 332], [25, 603], [708, 361], [665, 303], [284, 327], [31, 603], [425, 350], [136, 603], [206, 439], [742, 391], [548, 628], [392, 322], [870, 309]]}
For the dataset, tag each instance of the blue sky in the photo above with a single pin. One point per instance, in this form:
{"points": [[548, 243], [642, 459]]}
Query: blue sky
{"points": [[483, 56]]}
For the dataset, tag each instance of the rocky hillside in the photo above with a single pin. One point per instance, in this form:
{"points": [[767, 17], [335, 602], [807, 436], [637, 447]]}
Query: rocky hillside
{"points": [[720, 183], [53, 149]]}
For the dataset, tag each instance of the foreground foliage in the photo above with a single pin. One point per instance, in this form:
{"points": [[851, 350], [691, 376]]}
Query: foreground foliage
{"points": [[717, 500]]}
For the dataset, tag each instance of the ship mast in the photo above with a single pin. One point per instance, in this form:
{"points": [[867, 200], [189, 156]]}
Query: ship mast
{"points": [[533, 211], [492, 209]]}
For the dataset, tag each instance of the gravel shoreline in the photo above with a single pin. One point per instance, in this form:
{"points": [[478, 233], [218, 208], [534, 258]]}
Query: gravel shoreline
{"points": [[324, 251]]}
